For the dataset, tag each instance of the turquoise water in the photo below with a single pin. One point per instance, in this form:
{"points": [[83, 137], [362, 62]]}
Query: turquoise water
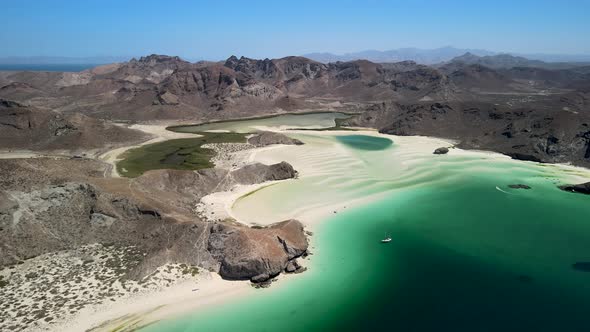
{"points": [[468, 254], [364, 142], [47, 67]]}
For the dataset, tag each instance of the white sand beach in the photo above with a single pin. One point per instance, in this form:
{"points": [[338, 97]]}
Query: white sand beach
{"points": [[208, 289]]}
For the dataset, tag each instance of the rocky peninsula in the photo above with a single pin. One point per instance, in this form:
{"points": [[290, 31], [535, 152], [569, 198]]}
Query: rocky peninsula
{"points": [[67, 229]]}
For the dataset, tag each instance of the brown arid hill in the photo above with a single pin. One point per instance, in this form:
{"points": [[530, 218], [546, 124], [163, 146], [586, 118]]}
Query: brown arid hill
{"points": [[52, 204], [541, 133], [544, 102], [163, 87], [30, 128]]}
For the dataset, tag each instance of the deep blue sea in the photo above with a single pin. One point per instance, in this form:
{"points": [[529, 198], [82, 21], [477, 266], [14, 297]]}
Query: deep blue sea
{"points": [[46, 67]]}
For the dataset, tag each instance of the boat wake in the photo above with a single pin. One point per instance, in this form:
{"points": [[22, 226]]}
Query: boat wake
{"points": [[500, 189]]}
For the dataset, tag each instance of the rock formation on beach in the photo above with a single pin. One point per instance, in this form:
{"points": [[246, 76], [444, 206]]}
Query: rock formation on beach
{"points": [[582, 188], [256, 253], [269, 138], [442, 150]]}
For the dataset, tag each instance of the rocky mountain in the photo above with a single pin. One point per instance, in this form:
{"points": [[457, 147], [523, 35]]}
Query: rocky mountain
{"points": [[437, 55], [167, 87], [507, 61], [423, 56], [162, 87], [498, 61]]}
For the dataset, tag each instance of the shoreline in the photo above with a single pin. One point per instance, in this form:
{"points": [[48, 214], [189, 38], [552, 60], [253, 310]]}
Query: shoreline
{"points": [[180, 298], [222, 203], [144, 309]]}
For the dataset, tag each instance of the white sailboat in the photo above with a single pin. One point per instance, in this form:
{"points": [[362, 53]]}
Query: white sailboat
{"points": [[386, 239]]}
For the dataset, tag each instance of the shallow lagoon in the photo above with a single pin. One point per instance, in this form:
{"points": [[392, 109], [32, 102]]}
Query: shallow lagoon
{"points": [[283, 122]]}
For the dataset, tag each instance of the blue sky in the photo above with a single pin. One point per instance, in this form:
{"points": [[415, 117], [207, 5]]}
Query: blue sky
{"points": [[216, 29]]}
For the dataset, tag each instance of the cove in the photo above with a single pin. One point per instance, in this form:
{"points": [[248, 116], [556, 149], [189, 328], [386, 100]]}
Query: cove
{"points": [[465, 256]]}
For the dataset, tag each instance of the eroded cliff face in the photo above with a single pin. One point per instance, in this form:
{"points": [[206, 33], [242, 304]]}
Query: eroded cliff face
{"points": [[42, 210]]}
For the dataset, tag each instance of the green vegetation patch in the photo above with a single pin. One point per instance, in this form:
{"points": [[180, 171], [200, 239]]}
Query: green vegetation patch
{"points": [[182, 154], [3, 282], [192, 270]]}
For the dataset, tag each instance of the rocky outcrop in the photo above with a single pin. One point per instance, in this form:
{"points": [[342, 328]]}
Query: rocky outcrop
{"points": [[519, 186], [258, 173], [257, 254], [167, 98], [183, 189], [10, 104], [442, 150], [523, 157], [583, 188], [269, 138]]}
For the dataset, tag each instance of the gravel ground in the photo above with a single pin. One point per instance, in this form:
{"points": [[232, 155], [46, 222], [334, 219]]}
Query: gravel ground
{"points": [[40, 292]]}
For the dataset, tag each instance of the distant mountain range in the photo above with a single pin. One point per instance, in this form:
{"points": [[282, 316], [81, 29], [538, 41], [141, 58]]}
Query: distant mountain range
{"points": [[434, 56], [507, 61], [421, 56]]}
